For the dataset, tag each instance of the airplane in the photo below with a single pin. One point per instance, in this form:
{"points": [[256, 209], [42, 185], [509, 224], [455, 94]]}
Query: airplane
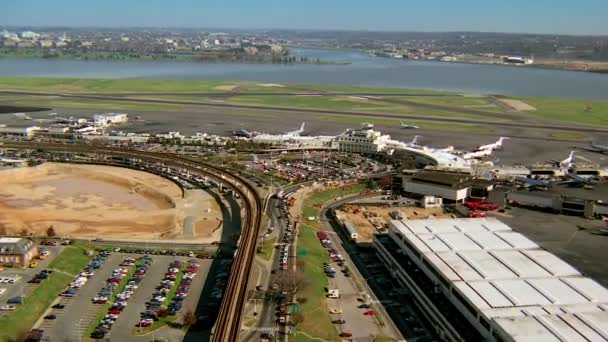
{"points": [[533, 184], [566, 163], [477, 154], [244, 133], [493, 146], [408, 126], [575, 180], [596, 148], [414, 141], [297, 132]]}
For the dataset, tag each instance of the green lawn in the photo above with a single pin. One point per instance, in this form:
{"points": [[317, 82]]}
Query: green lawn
{"points": [[24, 317], [71, 260], [267, 249], [312, 255], [590, 112]]}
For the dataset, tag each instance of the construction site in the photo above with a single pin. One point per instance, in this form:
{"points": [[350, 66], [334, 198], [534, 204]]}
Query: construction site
{"points": [[92, 201]]}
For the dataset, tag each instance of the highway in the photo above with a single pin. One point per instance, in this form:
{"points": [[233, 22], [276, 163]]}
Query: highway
{"points": [[565, 127], [228, 322]]}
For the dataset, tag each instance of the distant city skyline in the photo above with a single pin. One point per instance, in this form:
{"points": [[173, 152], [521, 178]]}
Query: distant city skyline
{"points": [[585, 17]]}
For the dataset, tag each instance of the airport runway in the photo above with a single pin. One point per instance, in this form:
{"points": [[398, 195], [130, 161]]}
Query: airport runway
{"points": [[567, 128]]}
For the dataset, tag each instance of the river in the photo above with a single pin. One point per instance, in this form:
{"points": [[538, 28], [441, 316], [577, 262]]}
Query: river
{"points": [[364, 70]]}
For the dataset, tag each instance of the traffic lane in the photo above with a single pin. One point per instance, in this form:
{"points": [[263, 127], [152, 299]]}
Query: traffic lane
{"points": [[79, 311], [121, 330]]}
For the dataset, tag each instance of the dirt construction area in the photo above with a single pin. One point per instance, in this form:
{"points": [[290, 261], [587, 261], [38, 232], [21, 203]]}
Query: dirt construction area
{"points": [[91, 201], [369, 220]]}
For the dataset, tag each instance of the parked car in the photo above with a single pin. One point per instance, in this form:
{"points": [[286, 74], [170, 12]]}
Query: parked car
{"points": [[58, 306], [51, 316]]}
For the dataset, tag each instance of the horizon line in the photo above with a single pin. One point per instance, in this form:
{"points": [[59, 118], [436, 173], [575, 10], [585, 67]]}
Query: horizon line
{"points": [[300, 29]]}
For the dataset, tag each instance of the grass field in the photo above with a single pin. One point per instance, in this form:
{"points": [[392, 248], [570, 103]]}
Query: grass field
{"points": [[71, 260], [267, 249], [311, 255], [568, 110], [587, 112], [317, 321]]}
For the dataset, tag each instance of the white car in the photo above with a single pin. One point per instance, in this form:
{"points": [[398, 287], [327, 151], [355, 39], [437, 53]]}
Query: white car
{"points": [[7, 308]]}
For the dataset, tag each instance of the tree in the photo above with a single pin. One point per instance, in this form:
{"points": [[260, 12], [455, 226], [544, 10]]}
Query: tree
{"points": [[50, 232], [162, 312], [291, 281], [189, 317]]}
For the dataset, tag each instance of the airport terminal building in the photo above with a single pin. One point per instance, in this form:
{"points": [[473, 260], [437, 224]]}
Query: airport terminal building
{"points": [[478, 280]]}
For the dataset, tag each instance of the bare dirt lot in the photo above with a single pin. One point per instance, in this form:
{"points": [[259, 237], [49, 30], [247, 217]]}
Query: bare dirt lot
{"points": [[517, 105], [370, 219], [86, 201]]}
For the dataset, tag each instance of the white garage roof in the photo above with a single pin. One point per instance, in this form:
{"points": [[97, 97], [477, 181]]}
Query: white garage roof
{"points": [[496, 270], [583, 327]]}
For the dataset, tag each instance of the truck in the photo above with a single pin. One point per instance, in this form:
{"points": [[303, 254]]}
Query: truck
{"points": [[333, 293]]}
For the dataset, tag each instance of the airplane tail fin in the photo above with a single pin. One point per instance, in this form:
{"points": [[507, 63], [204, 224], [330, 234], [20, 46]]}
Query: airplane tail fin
{"points": [[302, 127], [571, 157], [415, 140]]}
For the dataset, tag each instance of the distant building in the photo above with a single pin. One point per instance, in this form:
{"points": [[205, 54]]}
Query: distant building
{"points": [[17, 250], [362, 140], [518, 60], [452, 187], [106, 120]]}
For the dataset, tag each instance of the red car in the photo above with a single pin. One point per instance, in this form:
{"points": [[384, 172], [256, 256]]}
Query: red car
{"points": [[370, 313], [114, 312], [345, 334]]}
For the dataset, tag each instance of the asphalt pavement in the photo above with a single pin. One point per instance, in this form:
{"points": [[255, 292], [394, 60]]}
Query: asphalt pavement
{"points": [[79, 312]]}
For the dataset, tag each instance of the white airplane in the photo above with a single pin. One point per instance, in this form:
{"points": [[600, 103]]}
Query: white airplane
{"points": [[414, 141], [493, 146], [477, 154], [566, 163], [408, 126], [297, 132]]}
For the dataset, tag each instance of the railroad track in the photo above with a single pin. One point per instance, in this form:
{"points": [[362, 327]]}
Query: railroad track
{"points": [[228, 324]]}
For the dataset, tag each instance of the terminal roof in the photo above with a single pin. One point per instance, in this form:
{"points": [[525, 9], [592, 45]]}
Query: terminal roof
{"points": [[496, 270]]}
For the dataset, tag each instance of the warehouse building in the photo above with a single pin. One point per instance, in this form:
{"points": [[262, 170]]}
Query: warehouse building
{"points": [[478, 280], [18, 251], [452, 187]]}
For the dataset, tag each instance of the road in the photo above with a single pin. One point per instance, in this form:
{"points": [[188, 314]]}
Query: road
{"points": [[565, 127]]}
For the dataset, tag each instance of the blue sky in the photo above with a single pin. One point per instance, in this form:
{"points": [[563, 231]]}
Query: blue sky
{"points": [[540, 16]]}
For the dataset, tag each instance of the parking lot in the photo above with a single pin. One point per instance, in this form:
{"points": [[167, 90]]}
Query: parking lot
{"points": [[75, 316], [21, 276]]}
